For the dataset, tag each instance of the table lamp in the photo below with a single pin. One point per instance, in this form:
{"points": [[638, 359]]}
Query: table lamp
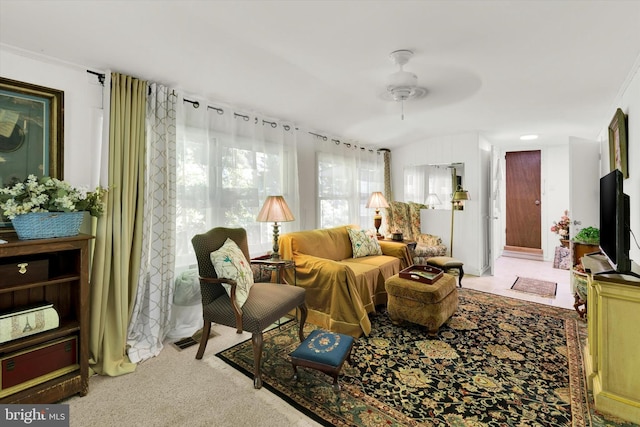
{"points": [[377, 201], [275, 209], [432, 200]]}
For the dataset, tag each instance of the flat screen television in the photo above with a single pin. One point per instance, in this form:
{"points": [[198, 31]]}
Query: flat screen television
{"points": [[615, 234]]}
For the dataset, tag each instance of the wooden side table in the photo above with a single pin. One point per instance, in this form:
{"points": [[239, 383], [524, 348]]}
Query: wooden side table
{"points": [[410, 244], [277, 266]]}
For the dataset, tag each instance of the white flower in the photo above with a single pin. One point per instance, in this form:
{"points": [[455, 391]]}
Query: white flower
{"points": [[49, 195]]}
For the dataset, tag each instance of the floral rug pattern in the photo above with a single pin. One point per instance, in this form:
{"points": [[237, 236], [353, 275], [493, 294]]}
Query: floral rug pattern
{"points": [[498, 361]]}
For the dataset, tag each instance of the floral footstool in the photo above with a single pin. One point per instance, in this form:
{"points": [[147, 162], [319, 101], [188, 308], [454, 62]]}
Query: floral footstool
{"points": [[324, 351]]}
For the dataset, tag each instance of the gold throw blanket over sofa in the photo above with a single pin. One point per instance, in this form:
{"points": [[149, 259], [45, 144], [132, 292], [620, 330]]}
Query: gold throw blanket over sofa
{"points": [[340, 290]]}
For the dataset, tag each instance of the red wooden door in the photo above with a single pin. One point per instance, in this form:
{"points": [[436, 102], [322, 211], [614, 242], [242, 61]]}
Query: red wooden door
{"points": [[523, 199]]}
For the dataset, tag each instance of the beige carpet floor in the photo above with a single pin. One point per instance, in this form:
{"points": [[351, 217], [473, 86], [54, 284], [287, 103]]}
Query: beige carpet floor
{"points": [[174, 389]]}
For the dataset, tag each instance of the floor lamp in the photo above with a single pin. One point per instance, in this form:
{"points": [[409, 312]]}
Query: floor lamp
{"points": [[458, 196]]}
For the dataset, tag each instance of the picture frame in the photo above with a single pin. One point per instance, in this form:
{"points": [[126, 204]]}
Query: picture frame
{"points": [[618, 143], [31, 133]]}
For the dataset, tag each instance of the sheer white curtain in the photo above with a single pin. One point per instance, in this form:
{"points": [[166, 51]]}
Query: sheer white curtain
{"points": [[347, 174], [229, 161], [440, 183], [150, 318], [415, 183]]}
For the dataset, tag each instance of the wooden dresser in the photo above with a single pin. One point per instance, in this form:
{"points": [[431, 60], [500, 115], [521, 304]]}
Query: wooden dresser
{"points": [[47, 366], [612, 352]]}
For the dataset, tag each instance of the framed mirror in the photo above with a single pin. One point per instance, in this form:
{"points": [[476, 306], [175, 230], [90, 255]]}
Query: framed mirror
{"points": [[434, 184], [31, 133]]}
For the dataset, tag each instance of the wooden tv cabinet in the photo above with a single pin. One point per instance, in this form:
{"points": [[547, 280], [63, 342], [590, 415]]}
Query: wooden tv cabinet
{"points": [[64, 351], [612, 352]]}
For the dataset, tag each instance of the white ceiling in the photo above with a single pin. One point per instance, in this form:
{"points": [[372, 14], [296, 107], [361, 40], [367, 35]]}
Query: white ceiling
{"points": [[502, 68]]}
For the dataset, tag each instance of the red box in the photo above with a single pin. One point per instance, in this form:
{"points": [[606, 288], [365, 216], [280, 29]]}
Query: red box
{"points": [[421, 273], [36, 365]]}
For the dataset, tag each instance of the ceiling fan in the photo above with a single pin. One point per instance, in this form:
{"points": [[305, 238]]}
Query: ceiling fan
{"points": [[403, 85]]}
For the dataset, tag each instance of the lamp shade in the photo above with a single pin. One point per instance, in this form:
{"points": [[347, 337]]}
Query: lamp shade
{"points": [[432, 200], [377, 200], [460, 194], [275, 209]]}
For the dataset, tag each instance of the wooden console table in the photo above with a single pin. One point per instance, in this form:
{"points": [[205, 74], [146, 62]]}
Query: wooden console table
{"points": [[612, 352]]}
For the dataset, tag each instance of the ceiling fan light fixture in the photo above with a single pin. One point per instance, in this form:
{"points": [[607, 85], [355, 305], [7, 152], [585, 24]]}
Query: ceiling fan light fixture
{"points": [[403, 85]]}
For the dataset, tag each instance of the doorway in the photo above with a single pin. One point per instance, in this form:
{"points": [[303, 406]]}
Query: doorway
{"points": [[523, 205]]}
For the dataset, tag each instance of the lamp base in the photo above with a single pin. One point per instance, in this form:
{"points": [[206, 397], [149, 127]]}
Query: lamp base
{"points": [[377, 222]]}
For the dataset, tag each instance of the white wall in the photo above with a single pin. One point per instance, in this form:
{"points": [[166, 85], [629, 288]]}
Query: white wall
{"points": [[629, 102], [82, 108], [463, 148], [471, 242]]}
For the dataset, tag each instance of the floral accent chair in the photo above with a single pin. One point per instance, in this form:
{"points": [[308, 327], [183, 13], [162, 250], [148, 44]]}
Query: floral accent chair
{"points": [[405, 217], [398, 219]]}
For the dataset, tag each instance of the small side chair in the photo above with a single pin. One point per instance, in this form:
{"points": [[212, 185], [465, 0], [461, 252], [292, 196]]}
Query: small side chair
{"points": [[266, 303]]}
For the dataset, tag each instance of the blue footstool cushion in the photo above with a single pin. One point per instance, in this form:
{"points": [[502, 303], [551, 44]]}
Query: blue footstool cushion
{"points": [[323, 350]]}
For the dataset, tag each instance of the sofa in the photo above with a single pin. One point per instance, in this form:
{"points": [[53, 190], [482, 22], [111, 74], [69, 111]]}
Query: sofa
{"points": [[405, 218], [341, 289]]}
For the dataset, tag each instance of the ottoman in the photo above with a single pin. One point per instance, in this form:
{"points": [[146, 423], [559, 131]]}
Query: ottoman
{"points": [[428, 305], [324, 351], [447, 263]]}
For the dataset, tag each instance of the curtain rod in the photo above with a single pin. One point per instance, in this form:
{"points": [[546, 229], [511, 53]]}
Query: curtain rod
{"points": [[101, 76], [246, 118]]}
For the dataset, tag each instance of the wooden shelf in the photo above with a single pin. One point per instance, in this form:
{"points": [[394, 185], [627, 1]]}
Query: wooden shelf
{"points": [[66, 286], [61, 279]]}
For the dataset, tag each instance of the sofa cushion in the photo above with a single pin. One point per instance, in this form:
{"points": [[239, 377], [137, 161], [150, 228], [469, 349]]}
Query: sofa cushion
{"points": [[230, 263], [363, 244], [328, 243], [373, 271]]}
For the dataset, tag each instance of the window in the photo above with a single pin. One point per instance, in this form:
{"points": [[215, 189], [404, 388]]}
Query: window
{"points": [[226, 169], [346, 179]]}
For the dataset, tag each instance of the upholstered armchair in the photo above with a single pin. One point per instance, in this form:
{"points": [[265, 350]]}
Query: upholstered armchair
{"points": [[405, 217], [262, 303]]}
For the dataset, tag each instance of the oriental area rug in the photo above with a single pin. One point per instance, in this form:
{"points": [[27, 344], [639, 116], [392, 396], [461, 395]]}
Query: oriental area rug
{"points": [[498, 361], [542, 288]]}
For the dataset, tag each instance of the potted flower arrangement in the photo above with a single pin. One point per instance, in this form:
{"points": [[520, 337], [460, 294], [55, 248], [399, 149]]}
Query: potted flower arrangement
{"points": [[561, 227], [48, 207]]}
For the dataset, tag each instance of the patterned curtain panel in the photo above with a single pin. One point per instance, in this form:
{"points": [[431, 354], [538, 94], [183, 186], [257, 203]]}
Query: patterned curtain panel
{"points": [[388, 189], [150, 320]]}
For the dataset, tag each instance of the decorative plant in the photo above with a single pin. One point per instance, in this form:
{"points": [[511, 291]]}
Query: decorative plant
{"points": [[49, 195], [588, 236], [562, 227]]}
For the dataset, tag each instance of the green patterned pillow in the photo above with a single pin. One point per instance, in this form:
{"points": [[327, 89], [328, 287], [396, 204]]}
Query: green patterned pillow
{"points": [[230, 263], [362, 244]]}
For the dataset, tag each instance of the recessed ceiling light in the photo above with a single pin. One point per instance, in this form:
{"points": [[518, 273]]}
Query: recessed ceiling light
{"points": [[528, 137]]}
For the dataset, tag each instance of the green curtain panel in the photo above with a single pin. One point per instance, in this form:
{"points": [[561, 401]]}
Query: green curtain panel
{"points": [[116, 262]]}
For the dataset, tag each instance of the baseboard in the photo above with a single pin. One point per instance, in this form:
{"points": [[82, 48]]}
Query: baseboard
{"points": [[524, 253]]}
